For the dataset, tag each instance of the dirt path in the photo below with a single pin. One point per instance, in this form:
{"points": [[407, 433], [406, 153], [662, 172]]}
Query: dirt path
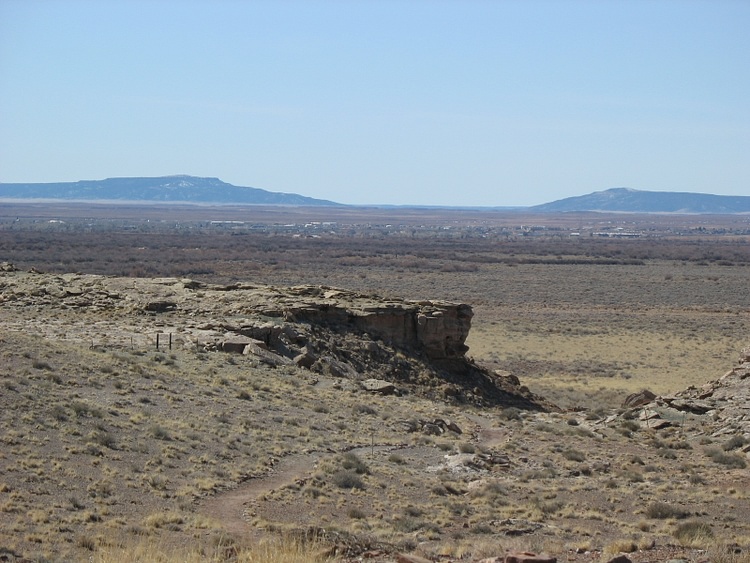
{"points": [[229, 507]]}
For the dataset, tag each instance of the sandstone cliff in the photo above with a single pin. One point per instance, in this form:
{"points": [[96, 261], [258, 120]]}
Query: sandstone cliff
{"points": [[418, 346]]}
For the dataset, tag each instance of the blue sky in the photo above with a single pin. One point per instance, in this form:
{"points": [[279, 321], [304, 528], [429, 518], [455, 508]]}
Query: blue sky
{"points": [[488, 103]]}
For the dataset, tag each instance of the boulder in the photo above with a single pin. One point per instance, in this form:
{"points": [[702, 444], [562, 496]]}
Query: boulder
{"points": [[305, 359], [261, 352], [160, 306], [235, 344], [379, 386], [638, 399]]}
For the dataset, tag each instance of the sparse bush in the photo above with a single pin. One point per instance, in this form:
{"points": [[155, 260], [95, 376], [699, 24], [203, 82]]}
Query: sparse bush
{"points": [[397, 459], [347, 480], [59, 414], [733, 443], [466, 448], [86, 542], [663, 511], [352, 462], [42, 365], [574, 455], [694, 533], [510, 413], [82, 410], [363, 409], [103, 438], [159, 432], [76, 504], [732, 460], [356, 513]]}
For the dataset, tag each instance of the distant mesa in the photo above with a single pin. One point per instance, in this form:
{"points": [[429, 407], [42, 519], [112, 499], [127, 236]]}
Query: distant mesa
{"points": [[196, 190], [626, 200], [165, 189]]}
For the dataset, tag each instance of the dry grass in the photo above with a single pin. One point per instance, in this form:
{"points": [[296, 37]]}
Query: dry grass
{"points": [[111, 452]]}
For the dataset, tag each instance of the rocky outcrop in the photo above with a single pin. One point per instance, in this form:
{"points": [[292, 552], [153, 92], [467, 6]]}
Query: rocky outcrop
{"points": [[437, 328], [412, 346], [722, 406]]}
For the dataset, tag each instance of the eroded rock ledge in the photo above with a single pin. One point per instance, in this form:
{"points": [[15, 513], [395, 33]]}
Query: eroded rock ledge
{"points": [[417, 345]]}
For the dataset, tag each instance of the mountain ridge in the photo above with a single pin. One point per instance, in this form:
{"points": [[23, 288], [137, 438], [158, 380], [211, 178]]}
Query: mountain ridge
{"points": [[629, 200], [186, 189], [179, 188]]}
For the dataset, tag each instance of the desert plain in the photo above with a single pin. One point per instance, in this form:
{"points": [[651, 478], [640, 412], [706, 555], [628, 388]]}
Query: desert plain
{"points": [[278, 449]]}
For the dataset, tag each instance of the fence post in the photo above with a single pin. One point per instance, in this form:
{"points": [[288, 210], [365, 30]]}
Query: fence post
{"points": [[157, 340]]}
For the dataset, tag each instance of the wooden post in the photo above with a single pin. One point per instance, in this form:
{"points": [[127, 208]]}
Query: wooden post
{"points": [[170, 340], [157, 340]]}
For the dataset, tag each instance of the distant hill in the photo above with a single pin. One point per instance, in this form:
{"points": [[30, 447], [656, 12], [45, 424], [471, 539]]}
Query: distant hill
{"points": [[174, 189], [638, 201]]}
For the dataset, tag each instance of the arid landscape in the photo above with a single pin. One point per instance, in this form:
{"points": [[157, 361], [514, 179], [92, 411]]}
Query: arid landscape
{"points": [[372, 384]]}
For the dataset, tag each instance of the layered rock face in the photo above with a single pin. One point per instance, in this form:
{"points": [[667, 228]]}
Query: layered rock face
{"points": [[419, 345], [437, 328]]}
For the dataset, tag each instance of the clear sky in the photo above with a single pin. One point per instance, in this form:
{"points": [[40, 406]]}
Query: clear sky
{"points": [[381, 101]]}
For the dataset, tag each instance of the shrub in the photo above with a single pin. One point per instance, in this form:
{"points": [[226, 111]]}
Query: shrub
{"points": [[693, 533], [103, 438], [356, 513], [663, 510], [733, 443], [724, 458], [397, 459], [363, 409], [347, 480], [159, 432], [574, 455], [351, 461], [511, 413], [40, 364], [466, 448]]}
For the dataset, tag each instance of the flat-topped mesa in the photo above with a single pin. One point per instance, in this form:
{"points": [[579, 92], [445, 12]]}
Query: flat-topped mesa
{"points": [[437, 328]]}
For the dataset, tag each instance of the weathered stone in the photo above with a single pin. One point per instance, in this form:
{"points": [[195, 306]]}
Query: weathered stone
{"points": [[235, 344], [656, 424], [448, 425], [339, 369], [305, 358], [267, 357], [379, 386], [637, 399], [432, 429], [160, 306], [695, 406]]}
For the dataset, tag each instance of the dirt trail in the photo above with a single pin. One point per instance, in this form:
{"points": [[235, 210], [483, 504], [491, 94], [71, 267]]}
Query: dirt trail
{"points": [[228, 508]]}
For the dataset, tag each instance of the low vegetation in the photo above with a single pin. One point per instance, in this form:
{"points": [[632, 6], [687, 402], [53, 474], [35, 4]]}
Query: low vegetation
{"points": [[112, 452]]}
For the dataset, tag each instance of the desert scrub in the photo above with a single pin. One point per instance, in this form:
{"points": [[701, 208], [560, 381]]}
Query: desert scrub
{"points": [[574, 455], [663, 511], [733, 443], [721, 457], [466, 448], [347, 480], [694, 534]]}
